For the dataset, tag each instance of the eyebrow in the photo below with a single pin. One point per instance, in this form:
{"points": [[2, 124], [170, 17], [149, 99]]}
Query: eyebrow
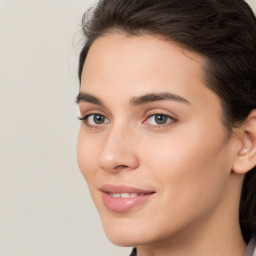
{"points": [[152, 97], [135, 101], [86, 97]]}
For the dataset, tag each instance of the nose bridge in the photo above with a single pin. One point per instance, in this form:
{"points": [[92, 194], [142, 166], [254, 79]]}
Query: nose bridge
{"points": [[118, 151]]}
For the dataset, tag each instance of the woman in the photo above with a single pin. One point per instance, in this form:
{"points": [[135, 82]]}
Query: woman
{"points": [[167, 142]]}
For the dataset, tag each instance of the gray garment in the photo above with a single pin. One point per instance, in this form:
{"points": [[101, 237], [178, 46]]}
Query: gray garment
{"points": [[250, 250]]}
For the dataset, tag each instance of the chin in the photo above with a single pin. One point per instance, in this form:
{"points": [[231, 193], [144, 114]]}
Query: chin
{"points": [[121, 238], [123, 242], [124, 234]]}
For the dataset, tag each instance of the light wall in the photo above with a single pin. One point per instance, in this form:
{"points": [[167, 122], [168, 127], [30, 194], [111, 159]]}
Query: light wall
{"points": [[45, 207], [253, 4]]}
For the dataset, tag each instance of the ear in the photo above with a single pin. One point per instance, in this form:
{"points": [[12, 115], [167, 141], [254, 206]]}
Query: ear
{"points": [[246, 156]]}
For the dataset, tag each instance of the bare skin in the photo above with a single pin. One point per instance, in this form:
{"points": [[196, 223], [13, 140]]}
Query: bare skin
{"points": [[151, 123]]}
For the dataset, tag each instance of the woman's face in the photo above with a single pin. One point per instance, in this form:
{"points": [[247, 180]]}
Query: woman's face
{"points": [[152, 147]]}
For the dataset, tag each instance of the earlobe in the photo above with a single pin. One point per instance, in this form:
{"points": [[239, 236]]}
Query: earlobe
{"points": [[246, 156]]}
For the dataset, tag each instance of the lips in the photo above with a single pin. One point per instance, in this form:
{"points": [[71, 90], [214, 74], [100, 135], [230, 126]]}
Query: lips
{"points": [[124, 198]]}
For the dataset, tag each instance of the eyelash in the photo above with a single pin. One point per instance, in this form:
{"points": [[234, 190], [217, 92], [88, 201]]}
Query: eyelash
{"points": [[164, 125], [168, 117], [85, 119]]}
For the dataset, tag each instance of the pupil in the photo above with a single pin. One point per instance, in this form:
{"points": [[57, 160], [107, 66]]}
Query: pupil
{"points": [[161, 119], [98, 119]]}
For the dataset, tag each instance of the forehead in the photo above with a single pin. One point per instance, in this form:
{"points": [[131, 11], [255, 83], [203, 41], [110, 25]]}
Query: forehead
{"points": [[138, 65], [142, 52]]}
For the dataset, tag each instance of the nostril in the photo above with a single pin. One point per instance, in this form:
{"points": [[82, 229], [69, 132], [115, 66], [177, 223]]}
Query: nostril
{"points": [[121, 167]]}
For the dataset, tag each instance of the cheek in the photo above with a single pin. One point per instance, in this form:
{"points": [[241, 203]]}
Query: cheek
{"points": [[86, 151], [190, 169]]}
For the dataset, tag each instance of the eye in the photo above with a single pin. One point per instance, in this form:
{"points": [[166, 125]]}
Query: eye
{"points": [[95, 120], [160, 119]]}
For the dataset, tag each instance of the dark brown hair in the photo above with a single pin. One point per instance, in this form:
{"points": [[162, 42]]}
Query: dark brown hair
{"points": [[223, 31]]}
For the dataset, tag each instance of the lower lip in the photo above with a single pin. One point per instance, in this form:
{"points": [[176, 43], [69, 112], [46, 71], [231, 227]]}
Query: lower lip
{"points": [[118, 204]]}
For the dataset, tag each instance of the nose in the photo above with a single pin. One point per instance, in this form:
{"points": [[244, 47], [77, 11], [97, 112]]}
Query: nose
{"points": [[119, 151]]}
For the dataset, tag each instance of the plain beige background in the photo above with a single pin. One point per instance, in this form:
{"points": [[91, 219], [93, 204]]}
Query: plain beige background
{"points": [[45, 207]]}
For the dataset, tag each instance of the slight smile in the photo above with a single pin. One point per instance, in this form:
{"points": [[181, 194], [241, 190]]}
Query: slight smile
{"points": [[124, 198]]}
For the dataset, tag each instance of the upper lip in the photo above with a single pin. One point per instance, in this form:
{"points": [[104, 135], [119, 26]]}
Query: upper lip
{"points": [[108, 188]]}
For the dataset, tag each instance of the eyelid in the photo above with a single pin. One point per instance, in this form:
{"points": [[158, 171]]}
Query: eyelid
{"points": [[87, 107], [86, 116], [84, 112], [160, 113]]}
